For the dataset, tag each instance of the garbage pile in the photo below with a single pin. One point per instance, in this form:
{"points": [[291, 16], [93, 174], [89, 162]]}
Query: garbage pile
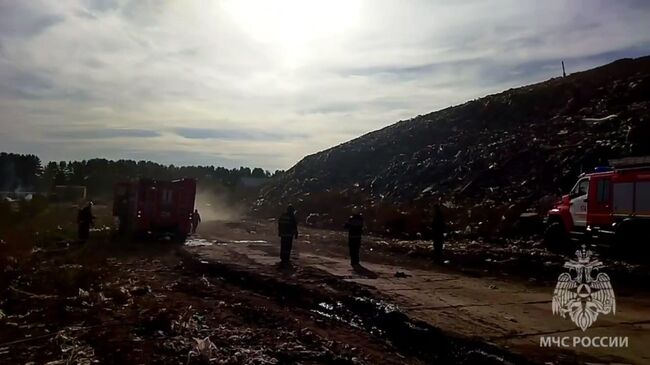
{"points": [[496, 163]]}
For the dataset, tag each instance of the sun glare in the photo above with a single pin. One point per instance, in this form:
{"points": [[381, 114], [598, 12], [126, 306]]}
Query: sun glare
{"points": [[293, 24]]}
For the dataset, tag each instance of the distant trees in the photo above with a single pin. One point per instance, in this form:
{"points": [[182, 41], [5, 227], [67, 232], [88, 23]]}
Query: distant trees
{"points": [[259, 173], [98, 175], [19, 172]]}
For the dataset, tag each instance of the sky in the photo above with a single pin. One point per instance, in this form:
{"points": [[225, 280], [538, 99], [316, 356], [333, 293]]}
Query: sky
{"points": [[263, 82]]}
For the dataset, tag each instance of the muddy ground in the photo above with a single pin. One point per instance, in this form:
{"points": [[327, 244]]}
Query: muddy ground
{"points": [[96, 304], [116, 302]]}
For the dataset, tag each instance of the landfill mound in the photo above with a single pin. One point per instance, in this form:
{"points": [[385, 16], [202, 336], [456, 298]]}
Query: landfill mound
{"points": [[496, 163]]}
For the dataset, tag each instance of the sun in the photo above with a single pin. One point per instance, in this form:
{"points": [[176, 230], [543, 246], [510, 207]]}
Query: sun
{"points": [[292, 24]]}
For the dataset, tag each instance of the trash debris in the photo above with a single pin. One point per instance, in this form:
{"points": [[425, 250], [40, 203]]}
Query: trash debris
{"points": [[196, 242], [83, 294], [203, 349], [401, 274]]}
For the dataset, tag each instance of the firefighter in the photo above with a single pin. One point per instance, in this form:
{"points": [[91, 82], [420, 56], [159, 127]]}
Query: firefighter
{"points": [[438, 233], [85, 219], [196, 219], [637, 137], [123, 216], [287, 230], [354, 226]]}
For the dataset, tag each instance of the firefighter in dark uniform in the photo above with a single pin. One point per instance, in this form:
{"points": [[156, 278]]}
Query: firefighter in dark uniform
{"points": [[123, 215], [354, 226], [438, 227], [196, 219], [287, 230], [637, 137], [85, 219]]}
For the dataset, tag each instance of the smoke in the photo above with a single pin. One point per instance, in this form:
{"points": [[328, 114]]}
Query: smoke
{"points": [[217, 206], [8, 178]]}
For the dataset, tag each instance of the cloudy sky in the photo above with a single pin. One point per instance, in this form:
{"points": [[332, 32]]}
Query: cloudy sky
{"points": [[263, 83]]}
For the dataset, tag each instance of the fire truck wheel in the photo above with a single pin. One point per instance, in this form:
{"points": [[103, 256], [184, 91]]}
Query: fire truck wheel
{"points": [[555, 237]]}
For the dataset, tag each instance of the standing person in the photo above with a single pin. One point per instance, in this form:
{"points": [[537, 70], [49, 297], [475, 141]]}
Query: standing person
{"points": [[354, 226], [123, 216], [85, 219], [196, 219], [287, 230], [438, 227]]}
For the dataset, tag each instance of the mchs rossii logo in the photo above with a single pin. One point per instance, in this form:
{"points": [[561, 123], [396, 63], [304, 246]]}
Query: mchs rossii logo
{"points": [[583, 293]]}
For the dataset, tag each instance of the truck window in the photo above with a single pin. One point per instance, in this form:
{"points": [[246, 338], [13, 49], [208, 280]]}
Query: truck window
{"points": [[581, 187], [602, 191], [624, 198], [642, 202]]}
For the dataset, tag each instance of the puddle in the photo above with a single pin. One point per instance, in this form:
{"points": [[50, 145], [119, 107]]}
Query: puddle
{"points": [[198, 242], [381, 305], [379, 318], [338, 312], [385, 320], [202, 242], [346, 313]]}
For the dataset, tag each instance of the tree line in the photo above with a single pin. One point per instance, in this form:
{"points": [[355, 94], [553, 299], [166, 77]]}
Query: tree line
{"points": [[20, 172]]}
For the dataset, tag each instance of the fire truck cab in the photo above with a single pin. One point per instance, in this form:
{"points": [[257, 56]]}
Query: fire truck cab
{"points": [[612, 203], [154, 208]]}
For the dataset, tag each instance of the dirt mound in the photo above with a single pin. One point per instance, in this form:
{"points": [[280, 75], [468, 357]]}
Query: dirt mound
{"points": [[488, 161]]}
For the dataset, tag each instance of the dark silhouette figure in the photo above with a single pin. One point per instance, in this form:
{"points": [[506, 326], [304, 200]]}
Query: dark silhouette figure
{"points": [[123, 216], [637, 137], [354, 226], [287, 230], [196, 219], [438, 227], [85, 220]]}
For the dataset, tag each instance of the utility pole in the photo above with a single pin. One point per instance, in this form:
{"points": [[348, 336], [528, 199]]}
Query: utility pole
{"points": [[563, 71]]}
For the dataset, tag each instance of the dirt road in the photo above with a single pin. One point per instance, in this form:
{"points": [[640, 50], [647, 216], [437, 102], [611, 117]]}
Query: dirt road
{"points": [[510, 313]]}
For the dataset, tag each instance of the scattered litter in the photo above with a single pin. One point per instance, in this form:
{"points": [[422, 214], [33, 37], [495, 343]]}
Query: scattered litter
{"points": [[197, 242], [205, 281], [203, 348], [609, 117], [83, 294], [401, 274], [100, 229]]}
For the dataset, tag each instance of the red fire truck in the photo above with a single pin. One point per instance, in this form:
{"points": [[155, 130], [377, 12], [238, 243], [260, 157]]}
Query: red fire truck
{"points": [[611, 203], [154, 208]]}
